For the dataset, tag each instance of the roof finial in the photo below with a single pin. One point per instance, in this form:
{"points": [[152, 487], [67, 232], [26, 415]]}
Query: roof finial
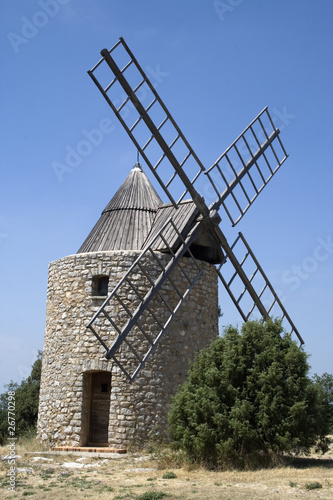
{"points": [[137, 166]]}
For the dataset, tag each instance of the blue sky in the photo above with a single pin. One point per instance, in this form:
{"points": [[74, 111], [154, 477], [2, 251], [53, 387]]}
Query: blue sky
{"points": [[215, 65]]}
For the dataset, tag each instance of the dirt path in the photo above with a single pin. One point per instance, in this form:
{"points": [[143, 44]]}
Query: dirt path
{"points": [[133, 476]]}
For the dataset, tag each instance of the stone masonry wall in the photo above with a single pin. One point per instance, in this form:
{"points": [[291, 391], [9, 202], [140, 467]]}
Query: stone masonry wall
{"points": [[138, 411]]}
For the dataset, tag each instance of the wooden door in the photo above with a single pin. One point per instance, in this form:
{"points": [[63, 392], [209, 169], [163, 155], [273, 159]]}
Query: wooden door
{"points": [[100, 407]]}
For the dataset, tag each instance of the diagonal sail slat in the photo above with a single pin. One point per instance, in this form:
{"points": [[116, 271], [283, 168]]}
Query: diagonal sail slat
{"points": [[253, 292]]}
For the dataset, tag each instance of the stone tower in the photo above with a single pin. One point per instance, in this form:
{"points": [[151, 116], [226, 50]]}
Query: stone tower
{"points": [[85, 398]]}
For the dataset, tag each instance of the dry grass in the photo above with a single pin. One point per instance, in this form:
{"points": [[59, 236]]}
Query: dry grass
{"points": [[126, 477]]}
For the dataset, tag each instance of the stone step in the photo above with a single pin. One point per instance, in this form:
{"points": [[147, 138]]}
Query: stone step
{"points": [[90, 449]]}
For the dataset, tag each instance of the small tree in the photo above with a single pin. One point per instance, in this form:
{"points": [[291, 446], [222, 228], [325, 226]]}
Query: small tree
{"points": [[248, 398], [26, 403]]}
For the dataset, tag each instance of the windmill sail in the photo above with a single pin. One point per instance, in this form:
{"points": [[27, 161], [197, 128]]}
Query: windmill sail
{"points": [[246, 167], [253, 292], [149, 124]]}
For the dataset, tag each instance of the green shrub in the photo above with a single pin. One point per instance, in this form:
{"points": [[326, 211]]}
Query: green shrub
{"points": [[248, 398], [313, 486], [26, 403], [152, 495], [169, 475]]}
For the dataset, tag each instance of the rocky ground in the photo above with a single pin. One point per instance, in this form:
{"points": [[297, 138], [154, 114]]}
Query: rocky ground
{"points": [[60, 476]]}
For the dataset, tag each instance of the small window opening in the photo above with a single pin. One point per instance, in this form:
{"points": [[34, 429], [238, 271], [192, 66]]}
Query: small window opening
{"points": [[100, 286], [104, 387]]}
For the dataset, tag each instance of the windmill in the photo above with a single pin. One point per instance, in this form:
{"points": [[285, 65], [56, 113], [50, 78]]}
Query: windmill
{"points": [[186, 226]]}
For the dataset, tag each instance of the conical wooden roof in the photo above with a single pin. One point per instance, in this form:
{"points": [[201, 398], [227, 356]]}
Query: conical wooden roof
{"points": [[127, 219]]}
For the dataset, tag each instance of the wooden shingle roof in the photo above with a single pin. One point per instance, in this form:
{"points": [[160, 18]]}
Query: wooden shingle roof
{"points": [[136, 214], [205, 247], [184, 218], [127, 219]]}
